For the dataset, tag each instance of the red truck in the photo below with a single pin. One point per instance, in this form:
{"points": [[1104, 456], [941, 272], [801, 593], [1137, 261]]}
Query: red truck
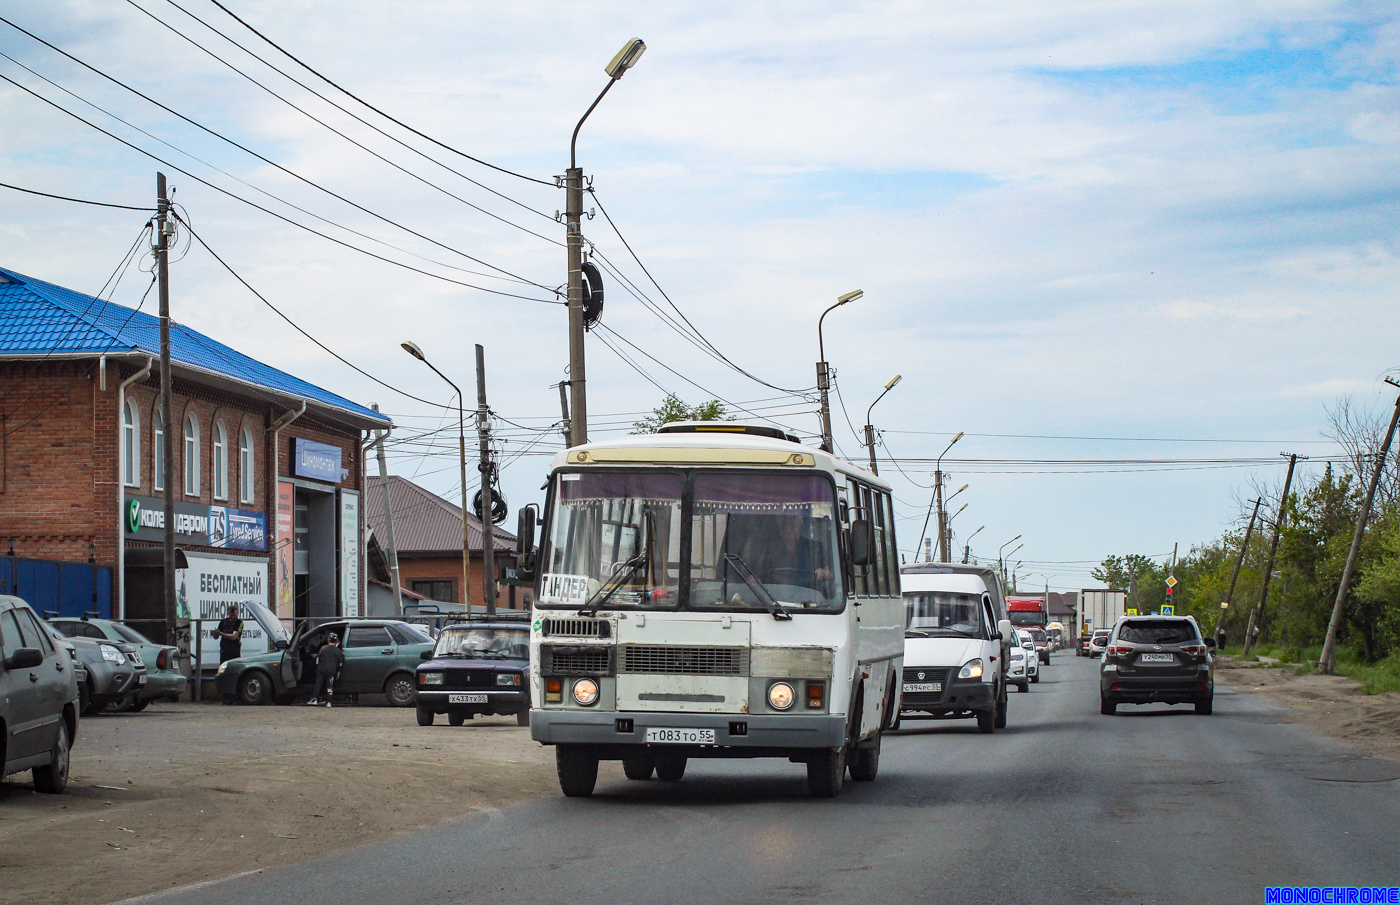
{"points": [[1030, 614]]}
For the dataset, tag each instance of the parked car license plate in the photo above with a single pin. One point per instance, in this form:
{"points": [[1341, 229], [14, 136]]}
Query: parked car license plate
{"points": [[1157, 658], [466, 699], [681, 736], [922, 686], [140, 680]]}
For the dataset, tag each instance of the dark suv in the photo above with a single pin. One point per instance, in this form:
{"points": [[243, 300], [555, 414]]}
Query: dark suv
{"points": [[38, 699], [477, 667], [1157, 659]]}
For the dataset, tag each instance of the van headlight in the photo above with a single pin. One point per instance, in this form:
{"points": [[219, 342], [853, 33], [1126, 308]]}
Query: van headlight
{"points": [[586, 692], [111, 654], [781, 696], [972, 669]]}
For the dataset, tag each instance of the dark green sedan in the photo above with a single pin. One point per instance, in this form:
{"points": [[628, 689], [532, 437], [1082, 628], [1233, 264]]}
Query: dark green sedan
{"points": [[380, 658]]}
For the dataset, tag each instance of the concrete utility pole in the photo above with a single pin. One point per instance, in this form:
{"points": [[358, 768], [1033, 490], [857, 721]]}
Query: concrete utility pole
{"points": [[564, 412], [870, 429], [626, 58], [485, 466], [1234, 576], [164, 228], [1256, 618], [391, 549], [1329, 647]]}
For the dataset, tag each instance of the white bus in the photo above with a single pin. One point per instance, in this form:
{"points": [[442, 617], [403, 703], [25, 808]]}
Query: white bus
{"points": [[717, 589]]}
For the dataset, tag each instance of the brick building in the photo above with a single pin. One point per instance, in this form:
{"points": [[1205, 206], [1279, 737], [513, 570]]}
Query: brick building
{"points": [[428, 532], [267, 477]]}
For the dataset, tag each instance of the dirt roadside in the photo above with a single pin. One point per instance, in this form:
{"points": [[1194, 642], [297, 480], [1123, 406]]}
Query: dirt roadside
{"points": [[1329, 705], [183, 793]]}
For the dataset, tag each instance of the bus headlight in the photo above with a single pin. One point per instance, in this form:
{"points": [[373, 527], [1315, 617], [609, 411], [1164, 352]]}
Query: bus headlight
{"points": [[972, 669], [780, 696], [585, 692]]}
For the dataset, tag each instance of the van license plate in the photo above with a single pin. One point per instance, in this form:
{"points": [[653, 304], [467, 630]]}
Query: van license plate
{"points": [[922, 686], [681, 736], [1156, 658], [466, 699]]}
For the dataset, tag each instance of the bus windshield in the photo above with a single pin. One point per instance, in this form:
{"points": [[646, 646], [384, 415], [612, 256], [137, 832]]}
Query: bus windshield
{"points": [[757, 535], [758, 540], [939, 614], [614, 534]]}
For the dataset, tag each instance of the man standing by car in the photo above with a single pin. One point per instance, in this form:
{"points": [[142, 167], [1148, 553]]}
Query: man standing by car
{"points": [[230, 635], [329, 660]]}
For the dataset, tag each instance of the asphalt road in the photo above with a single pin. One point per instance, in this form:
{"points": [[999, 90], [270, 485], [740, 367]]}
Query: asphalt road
{"points": [[1156, 804]]}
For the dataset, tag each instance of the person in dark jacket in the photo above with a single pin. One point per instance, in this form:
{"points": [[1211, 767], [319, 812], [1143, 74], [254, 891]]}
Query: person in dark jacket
{"points": [[329, 660], [230, 635]]}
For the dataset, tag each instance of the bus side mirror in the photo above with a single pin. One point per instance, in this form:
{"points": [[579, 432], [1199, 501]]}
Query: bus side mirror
{"points": [[1004, 626], [525, 543], [860, 542]]}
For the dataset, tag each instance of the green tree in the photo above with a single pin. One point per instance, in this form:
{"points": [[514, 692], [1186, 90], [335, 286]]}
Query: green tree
{"points": [[674, 408]]}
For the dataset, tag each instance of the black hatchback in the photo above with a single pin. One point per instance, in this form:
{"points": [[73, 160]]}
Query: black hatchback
{"points": [[1157, 659], [478, 667]]}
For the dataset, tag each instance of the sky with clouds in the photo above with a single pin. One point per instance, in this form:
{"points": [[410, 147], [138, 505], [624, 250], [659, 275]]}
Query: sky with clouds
{"points": [[1144, 223]]}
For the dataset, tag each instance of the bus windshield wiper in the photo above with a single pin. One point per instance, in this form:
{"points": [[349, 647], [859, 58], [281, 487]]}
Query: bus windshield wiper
{"points": [[758, 588], [604, 594]]}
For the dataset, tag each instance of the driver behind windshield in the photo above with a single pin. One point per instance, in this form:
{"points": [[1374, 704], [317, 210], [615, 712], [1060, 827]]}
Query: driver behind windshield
{"points": [[780, 550]]}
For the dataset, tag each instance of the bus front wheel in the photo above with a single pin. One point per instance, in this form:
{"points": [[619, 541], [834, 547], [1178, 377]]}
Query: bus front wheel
{"points": [[578, 770], [826, 772]]}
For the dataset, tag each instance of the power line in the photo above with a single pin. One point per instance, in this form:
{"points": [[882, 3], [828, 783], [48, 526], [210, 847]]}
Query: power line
{"points": [[264, 159], [333, 129], [1107, 439], [365, 103], [269, 212], [121, 207]]}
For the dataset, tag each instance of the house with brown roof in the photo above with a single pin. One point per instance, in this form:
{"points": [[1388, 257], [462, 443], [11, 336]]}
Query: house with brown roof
{"points": [[428, 535]]}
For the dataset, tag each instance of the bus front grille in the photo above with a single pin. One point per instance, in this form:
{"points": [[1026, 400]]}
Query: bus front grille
{"points": [[658, 659], [568, 660], [575, 628]]}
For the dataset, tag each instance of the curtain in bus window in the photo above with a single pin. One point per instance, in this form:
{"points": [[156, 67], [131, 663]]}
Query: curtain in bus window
{"points": [[891, 548], [622, 527], [882, 578], [780, 527]]}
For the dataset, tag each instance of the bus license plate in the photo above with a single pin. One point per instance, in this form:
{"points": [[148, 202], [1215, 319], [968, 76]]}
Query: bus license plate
{"points": [[915, 687], [681, 736], [1156, 658], [466, 699]]}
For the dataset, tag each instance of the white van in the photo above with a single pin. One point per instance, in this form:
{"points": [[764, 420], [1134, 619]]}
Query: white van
{"points": [[956, 643]]}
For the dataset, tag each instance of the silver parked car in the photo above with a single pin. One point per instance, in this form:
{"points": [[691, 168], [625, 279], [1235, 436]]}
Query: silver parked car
{"points": [[38, 699], [115, 670], [162, 662]]}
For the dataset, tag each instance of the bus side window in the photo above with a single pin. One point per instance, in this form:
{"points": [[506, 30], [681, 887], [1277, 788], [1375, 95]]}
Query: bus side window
{"points": [[847, 579], [858, 573], [891, 547], [881, 530]]}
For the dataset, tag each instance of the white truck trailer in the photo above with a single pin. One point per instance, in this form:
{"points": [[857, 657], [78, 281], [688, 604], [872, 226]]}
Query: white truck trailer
{"points": [[1100, 608]]}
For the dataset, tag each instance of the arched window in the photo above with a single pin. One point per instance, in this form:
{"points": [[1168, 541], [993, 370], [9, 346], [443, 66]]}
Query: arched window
{"points": [[158, 452], [220, 461], [245, 466], [192, 455], [131, 445]]}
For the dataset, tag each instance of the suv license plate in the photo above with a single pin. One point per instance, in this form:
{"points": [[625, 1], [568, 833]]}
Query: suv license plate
{"points": [[1156, 658], [681, 736], [922, 686], [466, 699]]}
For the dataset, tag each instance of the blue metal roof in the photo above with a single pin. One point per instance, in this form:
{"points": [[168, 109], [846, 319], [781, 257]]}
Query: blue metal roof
{"points": [[39, 318]]}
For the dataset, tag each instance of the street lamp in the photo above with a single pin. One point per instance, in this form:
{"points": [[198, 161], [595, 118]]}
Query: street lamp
{"points": [[1001, 560], [869, 429], [626, 58], [412, 349], [937, 500], [967, 545], [822, 382]]}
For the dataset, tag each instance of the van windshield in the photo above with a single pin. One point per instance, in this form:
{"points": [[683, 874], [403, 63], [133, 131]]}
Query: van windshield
{"points": [[934, 614]]}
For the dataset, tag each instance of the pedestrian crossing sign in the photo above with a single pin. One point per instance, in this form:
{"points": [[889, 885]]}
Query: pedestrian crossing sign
{"points": [[1168, 610]]}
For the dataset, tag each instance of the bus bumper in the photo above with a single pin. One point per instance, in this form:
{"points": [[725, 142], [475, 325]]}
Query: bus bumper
{"points": [[732, 730]]}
